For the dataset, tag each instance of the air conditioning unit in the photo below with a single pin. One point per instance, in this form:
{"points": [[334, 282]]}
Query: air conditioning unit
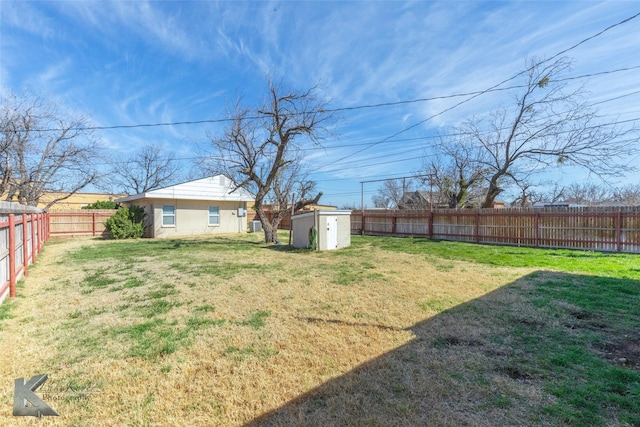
{"points": [[255, 226]]}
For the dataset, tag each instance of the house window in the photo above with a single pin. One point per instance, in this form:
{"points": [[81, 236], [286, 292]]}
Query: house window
{"points": [[214, 215], [168, 216]]}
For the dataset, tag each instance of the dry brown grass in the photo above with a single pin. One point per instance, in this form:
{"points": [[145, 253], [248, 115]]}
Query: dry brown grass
{"points": [[353, 337]]}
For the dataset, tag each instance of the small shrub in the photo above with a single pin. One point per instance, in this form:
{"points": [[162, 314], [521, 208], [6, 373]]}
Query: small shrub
{"points": [[126, 223]]}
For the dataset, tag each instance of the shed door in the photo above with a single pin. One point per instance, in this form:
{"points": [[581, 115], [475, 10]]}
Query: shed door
{"points": [[332, 232]]}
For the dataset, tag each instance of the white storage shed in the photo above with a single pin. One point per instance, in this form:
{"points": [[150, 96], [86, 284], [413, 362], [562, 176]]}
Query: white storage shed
{"points": [[324, 230]]}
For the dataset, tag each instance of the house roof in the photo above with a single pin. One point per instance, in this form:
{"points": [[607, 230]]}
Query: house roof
{"points": [[415, 197], [217, 188]]}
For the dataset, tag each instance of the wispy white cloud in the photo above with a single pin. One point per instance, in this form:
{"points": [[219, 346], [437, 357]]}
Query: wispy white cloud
{"points": [[150, 61]]}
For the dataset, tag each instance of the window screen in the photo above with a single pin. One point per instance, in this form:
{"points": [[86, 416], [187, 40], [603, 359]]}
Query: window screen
{"points": [[168, 215], [214, 215]]}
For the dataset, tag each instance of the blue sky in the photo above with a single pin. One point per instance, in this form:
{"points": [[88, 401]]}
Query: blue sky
{"points": [[145, 62]]}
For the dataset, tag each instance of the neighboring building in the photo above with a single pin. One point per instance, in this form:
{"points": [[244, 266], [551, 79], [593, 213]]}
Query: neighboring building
{"points": [[318, 208], [422, 200], [204, 206], [75, 201], [564, 205], [416, 200]]}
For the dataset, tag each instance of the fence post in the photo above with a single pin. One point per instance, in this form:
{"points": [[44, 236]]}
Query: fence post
{"points": [[33, 238], [38, 233], [12, 256], [38, 236], [94, 224], [477, 227], [393, 224], [619, 231], [25, 244], [430, 224], [46, 226], [362, 224], [41, 238]]}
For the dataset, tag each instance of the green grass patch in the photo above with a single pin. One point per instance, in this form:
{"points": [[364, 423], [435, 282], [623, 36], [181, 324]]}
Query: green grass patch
{"points": [[205, 308], [227, 270], [152, 339], [133, 282], [347, 273], [199, 322], [5, 311], [438, 305], [597, 263], [99, 279], [155, 308], [161, 292], [130, 251], [256, 319]]}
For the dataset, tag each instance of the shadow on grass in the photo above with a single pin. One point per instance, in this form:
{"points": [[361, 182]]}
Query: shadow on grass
{"points": [[548, 349], [283, 247]]}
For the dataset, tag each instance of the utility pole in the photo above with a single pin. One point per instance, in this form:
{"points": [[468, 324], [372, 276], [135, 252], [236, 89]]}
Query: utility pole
{"points": [[293, 205]]}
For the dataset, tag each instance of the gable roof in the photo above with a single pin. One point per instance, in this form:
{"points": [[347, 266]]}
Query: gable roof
{"points": [[218, 188]]}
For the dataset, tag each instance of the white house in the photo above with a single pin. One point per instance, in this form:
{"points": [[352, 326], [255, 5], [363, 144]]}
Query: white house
{"points": [[204, 206]]}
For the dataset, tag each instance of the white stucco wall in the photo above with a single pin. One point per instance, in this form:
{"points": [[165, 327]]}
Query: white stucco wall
{"points": [[192, 217], [301, 226]]}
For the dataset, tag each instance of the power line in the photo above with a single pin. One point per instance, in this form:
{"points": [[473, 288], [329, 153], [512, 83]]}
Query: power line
{"points": [[472, 94], [624, 21], [617, 97], [458, 134], [487, 90], [386, 155], [389, 139]]}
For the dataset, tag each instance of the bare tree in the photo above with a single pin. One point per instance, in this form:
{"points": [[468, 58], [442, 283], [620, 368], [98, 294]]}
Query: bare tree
{"points": [[260, 150], [628, 195], [593, 194], [390, 194], [457, 173], [547, 125], [530, 196], [148, 168], [44, 150], [590, 194]]}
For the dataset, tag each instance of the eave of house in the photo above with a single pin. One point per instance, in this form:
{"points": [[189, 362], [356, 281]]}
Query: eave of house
{"points": [[203, 189]]}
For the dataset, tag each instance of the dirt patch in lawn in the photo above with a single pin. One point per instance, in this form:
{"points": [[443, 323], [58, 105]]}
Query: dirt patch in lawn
{"points": [[624, 352]]}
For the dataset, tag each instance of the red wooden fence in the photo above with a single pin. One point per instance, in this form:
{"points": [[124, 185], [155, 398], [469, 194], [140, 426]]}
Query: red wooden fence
{"points": [[615, 229], [22, 236]]}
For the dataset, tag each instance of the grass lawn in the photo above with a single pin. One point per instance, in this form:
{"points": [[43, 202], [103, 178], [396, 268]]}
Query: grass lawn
{"points": [[230, 331]]}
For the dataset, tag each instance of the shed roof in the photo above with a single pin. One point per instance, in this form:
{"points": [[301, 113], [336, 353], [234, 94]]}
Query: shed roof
{"points": [[216, 188], [322, 213]]}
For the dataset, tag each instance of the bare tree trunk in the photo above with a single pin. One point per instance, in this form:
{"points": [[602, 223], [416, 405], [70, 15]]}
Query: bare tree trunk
{"points": [[270, 233], [492, 193]]}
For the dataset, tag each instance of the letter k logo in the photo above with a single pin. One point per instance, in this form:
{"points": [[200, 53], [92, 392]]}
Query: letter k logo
{"points": [[25, 401]]}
